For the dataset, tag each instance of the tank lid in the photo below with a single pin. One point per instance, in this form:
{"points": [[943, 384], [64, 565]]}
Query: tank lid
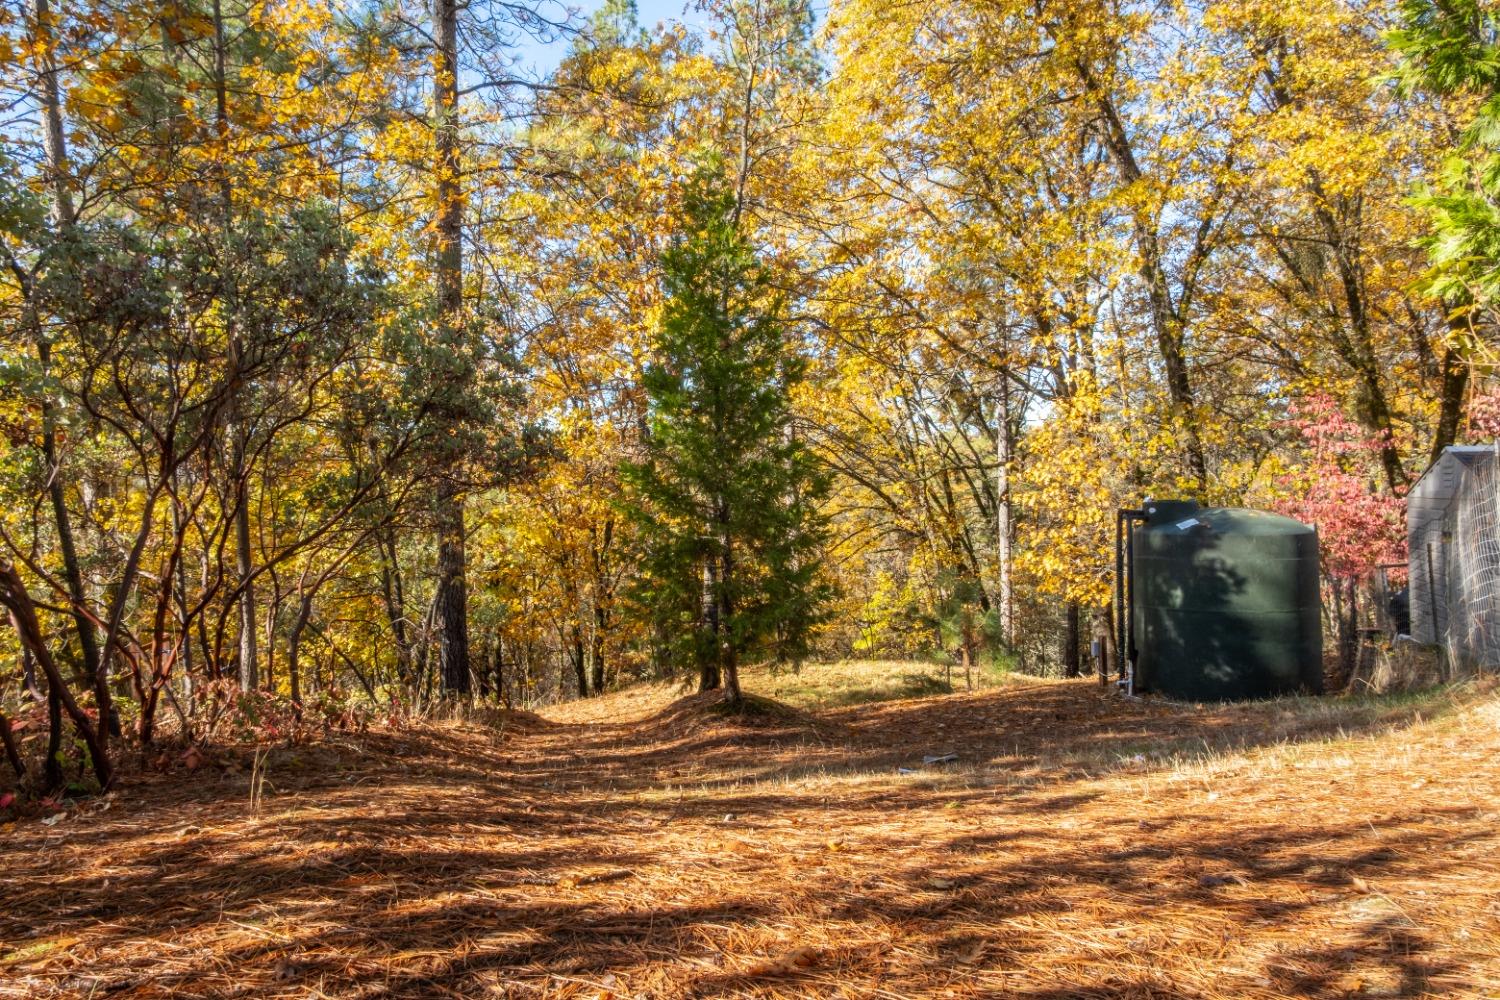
{"points": [[1248, 521], [1167, 511]]}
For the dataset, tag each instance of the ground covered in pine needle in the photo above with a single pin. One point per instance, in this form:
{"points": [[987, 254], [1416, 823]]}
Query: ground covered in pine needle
{"points": [[1082, 845]]}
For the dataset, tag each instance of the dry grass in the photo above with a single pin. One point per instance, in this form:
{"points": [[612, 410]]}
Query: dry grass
{"points": [[835, 684], [1083, 846]]}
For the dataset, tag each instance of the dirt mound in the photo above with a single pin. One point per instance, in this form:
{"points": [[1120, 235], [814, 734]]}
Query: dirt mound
{"points": [[711, 712], [514, 720]]}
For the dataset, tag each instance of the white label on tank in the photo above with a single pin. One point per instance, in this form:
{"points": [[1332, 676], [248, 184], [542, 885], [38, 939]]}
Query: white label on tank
{"points": [[1185, 525]]}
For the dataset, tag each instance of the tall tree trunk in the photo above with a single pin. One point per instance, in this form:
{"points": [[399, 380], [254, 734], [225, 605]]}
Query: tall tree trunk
{"points": [[64, 216], [422, 650], [393, 595], [294, 649], [1455, 383], [249, 667], [453, 603], [53, 137], [452, 594], [575, 654], [709, 675], [1357, 348], [728, 657], [1072, 653], [1003, 518], [482, 667], [596, 648], [497, 670], [598, 555], [179, 593], [213, 666], [243, 565]]}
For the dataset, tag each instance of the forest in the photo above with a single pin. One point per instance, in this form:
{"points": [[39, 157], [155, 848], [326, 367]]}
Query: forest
{"points": [[346, 359], [366, 364]]}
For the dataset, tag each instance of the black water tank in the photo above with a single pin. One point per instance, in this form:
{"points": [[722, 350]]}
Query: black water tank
{"points": [[1226, 603]]}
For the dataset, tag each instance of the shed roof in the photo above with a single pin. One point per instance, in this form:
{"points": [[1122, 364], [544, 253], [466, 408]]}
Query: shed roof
{"points": [[1430, 496]]}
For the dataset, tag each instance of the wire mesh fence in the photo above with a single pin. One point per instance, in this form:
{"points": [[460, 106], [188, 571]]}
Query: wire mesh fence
{"points": [[1461, 570]]}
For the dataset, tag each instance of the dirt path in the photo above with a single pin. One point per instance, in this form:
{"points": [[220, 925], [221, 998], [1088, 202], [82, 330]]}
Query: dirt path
{"points": [[1067, 854]]}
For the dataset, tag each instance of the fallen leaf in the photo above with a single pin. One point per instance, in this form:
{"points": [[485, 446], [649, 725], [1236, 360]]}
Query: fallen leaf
{"points": [[7, 800]]}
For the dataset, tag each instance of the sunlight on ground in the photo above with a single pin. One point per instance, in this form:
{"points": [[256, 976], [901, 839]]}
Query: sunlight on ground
{"points": [[856, 682], [1081, 845], [813, 686]]}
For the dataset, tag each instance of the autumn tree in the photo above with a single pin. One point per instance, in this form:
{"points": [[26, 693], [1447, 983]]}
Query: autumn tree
{"points": [[464, 90]]}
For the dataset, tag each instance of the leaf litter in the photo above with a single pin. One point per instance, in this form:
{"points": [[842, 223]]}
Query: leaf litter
{"points": [[593, 859]]}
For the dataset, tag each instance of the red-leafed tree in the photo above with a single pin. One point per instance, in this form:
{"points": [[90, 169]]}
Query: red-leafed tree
{"points": [[1337, 489], [1484, 416]]}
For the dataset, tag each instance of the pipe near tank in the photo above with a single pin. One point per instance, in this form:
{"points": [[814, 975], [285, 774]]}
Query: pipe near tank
{"points": [[1125, 590]]}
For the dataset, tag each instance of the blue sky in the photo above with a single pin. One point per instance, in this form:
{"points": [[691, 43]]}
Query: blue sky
{"points": [[542, 58]]}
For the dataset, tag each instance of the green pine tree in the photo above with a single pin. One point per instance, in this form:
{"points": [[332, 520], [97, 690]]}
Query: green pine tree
{"points": [[728, 498], [1452, 48]]}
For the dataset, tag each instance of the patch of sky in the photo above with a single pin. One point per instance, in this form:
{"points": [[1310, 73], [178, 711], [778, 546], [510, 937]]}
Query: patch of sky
{"points": [[539, 57]]}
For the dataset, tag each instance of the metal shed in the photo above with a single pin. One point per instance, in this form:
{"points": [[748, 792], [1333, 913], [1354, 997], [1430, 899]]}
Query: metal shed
{"points": [[1453, 533]]}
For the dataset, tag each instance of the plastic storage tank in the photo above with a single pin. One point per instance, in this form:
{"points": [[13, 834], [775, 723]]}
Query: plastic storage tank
{"points": [[1225, 604]]}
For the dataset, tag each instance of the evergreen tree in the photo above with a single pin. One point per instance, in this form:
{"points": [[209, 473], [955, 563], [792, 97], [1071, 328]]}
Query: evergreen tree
{"points": [[1452, 48], [728, 498], [615, 25]]}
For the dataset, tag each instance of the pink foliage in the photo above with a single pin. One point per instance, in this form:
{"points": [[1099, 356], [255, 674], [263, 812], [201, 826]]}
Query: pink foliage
{"points": [[1484, 416], [1359, 525]]}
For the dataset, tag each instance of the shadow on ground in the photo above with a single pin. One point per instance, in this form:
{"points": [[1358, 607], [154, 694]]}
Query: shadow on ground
{"points": [[785, 854]]}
